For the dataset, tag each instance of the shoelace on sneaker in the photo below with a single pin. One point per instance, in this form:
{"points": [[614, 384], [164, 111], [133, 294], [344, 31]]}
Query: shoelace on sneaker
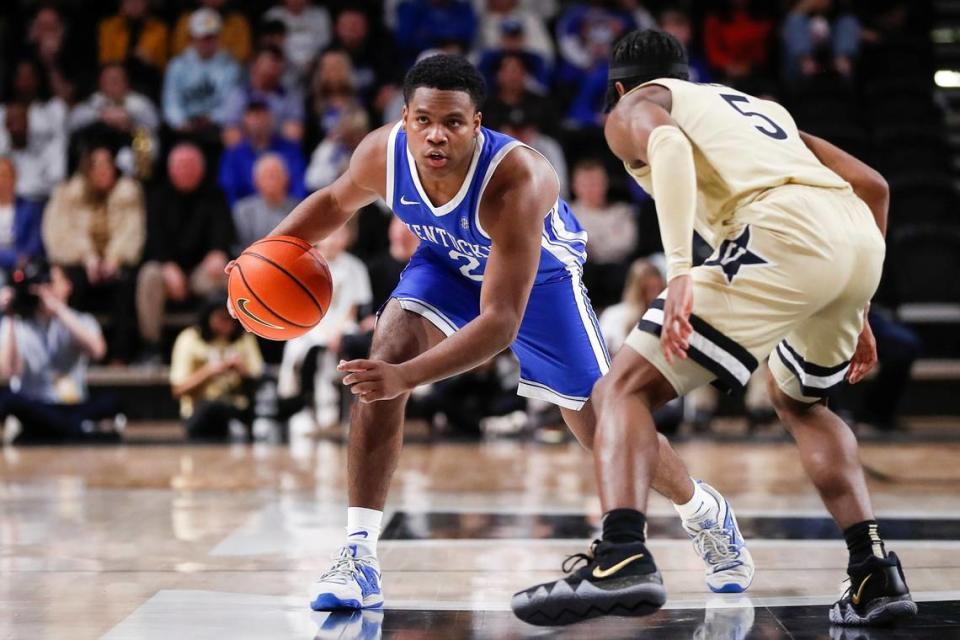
{"points": [[714, 545], [572, 563], [344, 568]]}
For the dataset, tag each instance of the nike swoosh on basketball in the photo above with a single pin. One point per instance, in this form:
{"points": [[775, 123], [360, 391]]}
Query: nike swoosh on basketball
{"points": [[859, 594], [403, 200], [606, 573], [242, 306]]}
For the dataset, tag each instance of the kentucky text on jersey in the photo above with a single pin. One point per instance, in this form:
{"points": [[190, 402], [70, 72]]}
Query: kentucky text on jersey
{"points": [[439, 236]]}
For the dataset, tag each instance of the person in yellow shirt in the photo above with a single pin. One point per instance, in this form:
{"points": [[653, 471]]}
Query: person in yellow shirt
{"points": [[213, 370], [136, 39], [235, 36], [798, 229]]}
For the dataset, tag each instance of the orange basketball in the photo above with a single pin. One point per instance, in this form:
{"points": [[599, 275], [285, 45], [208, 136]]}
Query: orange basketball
{"points": [[280, 287]]}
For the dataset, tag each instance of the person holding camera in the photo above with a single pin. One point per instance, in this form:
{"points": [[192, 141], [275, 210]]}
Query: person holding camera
{"points": [[45, 347]]}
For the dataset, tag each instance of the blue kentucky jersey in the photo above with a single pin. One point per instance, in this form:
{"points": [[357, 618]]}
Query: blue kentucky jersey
{"points": [[452, 235]]}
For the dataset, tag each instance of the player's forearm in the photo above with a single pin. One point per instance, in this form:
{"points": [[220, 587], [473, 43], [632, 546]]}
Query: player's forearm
{"points": [[867, 182], [478, 341], [316, 217], [675, 187]]}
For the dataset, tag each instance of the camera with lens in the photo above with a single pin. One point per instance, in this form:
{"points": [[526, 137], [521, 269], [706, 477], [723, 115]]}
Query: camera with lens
{"points": [[23, 280]]}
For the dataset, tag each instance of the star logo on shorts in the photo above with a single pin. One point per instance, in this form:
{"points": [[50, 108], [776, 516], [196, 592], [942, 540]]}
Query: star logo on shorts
{"points": [[734, 254]]}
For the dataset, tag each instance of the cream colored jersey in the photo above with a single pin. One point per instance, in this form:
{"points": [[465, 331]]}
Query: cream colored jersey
{"points": [[797, 254], [742, 147]]}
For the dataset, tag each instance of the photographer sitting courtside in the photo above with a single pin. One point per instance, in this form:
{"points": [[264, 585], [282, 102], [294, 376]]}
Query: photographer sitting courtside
{"points": [[45, 347]]}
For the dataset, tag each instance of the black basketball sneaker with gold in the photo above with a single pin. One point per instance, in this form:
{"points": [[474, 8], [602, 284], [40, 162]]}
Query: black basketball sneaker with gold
{"points": [[617, 580], [877, 595]]}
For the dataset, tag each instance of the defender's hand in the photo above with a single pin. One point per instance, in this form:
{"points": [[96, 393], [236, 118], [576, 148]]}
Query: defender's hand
{"points": [[865, 357], [372, 380], [676, 318]]}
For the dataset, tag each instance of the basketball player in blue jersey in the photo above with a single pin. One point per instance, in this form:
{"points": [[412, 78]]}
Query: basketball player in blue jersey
{"points": [[499, 265]]}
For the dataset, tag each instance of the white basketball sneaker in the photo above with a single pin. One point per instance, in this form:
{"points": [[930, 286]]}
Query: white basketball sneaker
{"points": [[353, 582], [716, 538]]}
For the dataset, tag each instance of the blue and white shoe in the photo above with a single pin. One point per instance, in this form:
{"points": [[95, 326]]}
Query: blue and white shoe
{"points": [[353, 582], [716, 538]]}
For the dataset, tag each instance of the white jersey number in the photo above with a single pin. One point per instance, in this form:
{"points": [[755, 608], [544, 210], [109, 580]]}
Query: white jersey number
{"points": [[471, 264]]}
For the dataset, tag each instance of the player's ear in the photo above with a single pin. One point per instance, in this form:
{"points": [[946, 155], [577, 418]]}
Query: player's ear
{"points": [[403, 118], [619, 87], [477, 121]]}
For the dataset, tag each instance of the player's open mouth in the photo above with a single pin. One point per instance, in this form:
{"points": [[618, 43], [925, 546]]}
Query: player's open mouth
{"points": [[436, 159]]}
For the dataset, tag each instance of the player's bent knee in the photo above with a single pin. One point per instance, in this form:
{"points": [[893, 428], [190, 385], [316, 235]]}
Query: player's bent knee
{"points": [[633, 376]]}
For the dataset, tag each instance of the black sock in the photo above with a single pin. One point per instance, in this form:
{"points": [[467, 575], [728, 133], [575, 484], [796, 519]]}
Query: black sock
{"points": [[624, 525], [863, 541]]}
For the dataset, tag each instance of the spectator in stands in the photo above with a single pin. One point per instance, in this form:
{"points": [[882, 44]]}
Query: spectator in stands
{"points": [[213, 372], [255, 216], [532, 25], [523, 123], [510, 91], [199, 80], [897, 349], [332, 91], [189, 234], [585, 34], [308, 32], [370, 56], [737, 39], [264, 85], [308, 370], [235, 37], [642, 18], [424, 24], [138, 41], [45, 347], [611, 229], [643, 284], [64, 59], [20, 220], [236, 164], [676, 21], [33, 133], [115, 116], [513, 43], [819, 38], [332, 155], [93, 226]]}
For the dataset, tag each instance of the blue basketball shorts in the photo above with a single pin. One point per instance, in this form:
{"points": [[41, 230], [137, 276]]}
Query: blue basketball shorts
{"points": [[559, 345]]}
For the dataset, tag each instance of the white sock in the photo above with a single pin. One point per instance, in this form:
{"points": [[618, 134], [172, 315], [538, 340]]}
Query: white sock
{"points": [[363, 529], [700, 505]]}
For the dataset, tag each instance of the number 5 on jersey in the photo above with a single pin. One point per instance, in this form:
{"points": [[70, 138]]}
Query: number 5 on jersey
{"points": [[775, 131]]}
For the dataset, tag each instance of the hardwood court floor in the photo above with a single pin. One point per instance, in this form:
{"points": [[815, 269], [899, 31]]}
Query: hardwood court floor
{"points": [[223, 541]]}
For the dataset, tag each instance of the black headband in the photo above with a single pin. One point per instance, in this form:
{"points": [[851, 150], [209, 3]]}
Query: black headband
{"points": [[625, 71]]}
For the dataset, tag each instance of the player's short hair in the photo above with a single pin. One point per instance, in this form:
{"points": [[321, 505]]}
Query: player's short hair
{"points": [[447, 73], [641, 56]]}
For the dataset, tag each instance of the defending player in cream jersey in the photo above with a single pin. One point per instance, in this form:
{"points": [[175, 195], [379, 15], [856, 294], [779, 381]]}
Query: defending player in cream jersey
{"points": [[797, 226]]}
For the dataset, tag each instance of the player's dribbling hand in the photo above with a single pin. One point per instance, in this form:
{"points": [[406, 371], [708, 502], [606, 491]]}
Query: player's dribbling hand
{"points": [[372, 380], [227, 269], [865, 357], [674, 339]]}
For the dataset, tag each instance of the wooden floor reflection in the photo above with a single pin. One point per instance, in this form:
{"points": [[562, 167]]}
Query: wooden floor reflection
{"points": [[181, 541]]}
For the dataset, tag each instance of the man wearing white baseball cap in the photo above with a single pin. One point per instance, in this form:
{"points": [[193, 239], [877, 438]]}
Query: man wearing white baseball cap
{"points": [[199, 80]]}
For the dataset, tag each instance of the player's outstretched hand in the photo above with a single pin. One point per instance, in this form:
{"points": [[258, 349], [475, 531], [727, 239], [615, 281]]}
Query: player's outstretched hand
{"points": [[865, 357], [674, 339], [372, 380]]}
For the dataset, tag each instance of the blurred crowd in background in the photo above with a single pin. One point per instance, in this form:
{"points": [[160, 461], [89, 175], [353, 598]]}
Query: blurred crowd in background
{"points": [[144, 144]]}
